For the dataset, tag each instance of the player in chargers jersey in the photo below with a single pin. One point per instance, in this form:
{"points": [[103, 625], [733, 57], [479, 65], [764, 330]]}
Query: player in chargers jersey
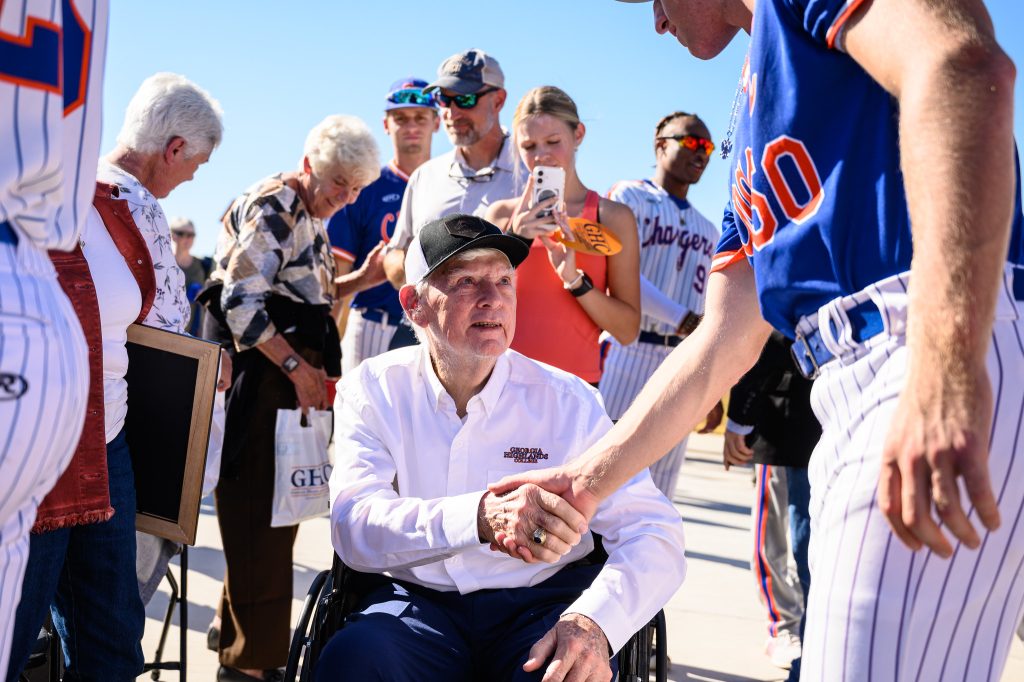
{"points": [[676, 245], [875, 218], [51, 79], [359, 231]]}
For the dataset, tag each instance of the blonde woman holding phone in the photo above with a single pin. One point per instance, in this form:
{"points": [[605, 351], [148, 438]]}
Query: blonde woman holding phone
{"points": [[566, 299]]}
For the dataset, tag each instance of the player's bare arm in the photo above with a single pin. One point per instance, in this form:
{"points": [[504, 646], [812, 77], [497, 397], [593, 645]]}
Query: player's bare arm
{"points": [[941, 60], [681, 393]]}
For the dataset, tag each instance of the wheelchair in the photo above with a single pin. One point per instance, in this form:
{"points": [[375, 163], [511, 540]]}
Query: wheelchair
{"points": [[335, 593]]}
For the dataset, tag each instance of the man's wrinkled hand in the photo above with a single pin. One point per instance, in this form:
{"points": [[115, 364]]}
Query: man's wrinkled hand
{"points": [[563, 481], [936, 436], [577, 648], [518, 513]]}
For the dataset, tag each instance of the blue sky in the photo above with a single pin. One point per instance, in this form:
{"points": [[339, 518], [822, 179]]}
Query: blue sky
{"points": [[279, 67]]}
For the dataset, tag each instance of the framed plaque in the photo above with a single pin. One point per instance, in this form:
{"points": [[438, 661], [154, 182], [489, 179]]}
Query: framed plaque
{"points": [[171, 379]]}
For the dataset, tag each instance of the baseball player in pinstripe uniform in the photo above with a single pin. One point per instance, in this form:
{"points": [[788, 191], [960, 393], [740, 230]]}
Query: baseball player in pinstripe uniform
{"points": [[895, 258], [359, 231], [51, 68], [676, 244]]}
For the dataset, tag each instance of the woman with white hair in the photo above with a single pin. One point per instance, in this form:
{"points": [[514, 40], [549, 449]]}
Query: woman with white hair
{"points": [[271, 293], [82, 556]]}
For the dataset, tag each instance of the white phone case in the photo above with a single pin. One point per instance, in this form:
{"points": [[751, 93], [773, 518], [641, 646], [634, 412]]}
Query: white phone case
{"points": [[548, 181]]}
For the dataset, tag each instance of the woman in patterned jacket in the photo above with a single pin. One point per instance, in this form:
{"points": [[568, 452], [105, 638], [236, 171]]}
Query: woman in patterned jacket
{"points": [[271, 295]]}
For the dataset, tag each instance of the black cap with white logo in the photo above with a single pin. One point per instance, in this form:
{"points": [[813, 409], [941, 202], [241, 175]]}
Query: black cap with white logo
{"points": [[441, 239]]}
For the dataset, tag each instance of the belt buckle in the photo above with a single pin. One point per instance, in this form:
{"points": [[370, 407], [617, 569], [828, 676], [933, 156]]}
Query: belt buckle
{"points": [[801, 339]]}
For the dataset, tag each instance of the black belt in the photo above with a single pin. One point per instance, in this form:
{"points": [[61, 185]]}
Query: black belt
{"points": [[7, 234], [659, 340]]}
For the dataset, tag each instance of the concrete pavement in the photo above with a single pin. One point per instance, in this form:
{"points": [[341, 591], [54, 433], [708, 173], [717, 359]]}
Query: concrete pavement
{"points": [[715, 623]]}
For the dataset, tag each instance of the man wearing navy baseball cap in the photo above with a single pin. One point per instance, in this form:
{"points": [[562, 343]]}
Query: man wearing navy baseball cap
{"points": [[359, 231], [481, 169], [419, 433]]}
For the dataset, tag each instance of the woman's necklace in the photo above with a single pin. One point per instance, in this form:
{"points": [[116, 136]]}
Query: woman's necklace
{"points": [[736, 103]]}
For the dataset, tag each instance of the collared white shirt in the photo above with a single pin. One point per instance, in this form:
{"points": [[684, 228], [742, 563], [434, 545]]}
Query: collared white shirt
{"points": [[396, 424], [446, 185]]}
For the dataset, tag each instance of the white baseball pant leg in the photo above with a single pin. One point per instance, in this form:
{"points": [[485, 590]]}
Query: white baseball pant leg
{"points": [[877, 610], [626, 370], [44, 377], [363, 339]]}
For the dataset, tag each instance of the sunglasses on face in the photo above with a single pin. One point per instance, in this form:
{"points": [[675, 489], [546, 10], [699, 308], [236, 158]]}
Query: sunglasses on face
{"points": [[462, 101], [411, 96], [692, 142], [181, 234]]}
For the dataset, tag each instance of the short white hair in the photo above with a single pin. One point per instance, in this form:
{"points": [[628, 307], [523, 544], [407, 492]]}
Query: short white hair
{"points": [[346, 144], [168, 105]]}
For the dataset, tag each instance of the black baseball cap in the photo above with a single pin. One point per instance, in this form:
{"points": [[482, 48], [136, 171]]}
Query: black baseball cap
{"points": [[445, 237], [468, 72]]}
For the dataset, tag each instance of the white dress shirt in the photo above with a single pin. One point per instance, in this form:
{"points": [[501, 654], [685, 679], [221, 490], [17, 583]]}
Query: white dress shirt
{"points": [[446, 185], [396, 427]]}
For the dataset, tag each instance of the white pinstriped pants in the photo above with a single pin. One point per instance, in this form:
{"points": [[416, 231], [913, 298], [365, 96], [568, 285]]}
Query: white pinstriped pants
{"points": [[626, 370], [44, 376], [878, 611], [363, 339]]}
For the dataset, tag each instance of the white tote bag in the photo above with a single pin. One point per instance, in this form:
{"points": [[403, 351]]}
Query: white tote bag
{"points": [[304, 462]]}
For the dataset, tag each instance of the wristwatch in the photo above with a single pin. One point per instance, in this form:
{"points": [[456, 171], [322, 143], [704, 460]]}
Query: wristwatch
{"points": [[581, 285], [290, 364]]}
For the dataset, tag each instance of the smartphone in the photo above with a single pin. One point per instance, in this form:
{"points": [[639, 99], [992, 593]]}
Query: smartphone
{"points": [[548, 181]]}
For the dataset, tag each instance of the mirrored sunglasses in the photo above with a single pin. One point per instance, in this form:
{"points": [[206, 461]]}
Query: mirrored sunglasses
{"points": [[412, 96], [692, 142], [462, 101]]}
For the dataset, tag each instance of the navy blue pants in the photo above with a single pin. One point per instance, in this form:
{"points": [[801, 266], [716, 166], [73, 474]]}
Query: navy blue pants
{"points": [[405, 632], [85, 576], [798, 490]]}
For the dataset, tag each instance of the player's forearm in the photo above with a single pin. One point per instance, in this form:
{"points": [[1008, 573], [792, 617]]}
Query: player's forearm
{"points": [[617, 317], [960, 198], [686, 386]]}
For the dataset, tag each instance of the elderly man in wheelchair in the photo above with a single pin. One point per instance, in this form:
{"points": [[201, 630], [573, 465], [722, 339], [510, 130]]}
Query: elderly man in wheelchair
{"points": [[419, 433]]}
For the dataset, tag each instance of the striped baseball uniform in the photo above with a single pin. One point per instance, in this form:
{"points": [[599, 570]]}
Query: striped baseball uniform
{"points": [[676, 245], [353, 232], [51, 68], [820, 212]]}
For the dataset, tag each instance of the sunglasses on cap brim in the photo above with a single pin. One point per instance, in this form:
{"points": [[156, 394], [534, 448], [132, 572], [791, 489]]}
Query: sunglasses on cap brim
{"points": [[412, 96]]}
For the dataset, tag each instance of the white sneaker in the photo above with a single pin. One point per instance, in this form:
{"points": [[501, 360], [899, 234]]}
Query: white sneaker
{"points": [[782, 649]]}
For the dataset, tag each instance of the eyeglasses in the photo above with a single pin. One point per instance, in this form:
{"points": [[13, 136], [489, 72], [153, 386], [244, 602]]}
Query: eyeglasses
{"points": [[182, 234], [462, 101], [692, 142], [412, 96]]}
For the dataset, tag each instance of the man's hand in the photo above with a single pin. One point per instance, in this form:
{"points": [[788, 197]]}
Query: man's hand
{"points": [[713, 419], [563, 481], [521, 511], [938, 432], [735, 452], [578, 651]]}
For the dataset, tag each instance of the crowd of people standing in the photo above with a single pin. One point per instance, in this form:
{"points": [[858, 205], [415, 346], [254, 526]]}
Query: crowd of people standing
{"points": [[320, 270]]}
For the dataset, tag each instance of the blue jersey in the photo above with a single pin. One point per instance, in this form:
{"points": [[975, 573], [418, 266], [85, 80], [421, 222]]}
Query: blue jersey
{"points": [[357, 228], [816, 194]]}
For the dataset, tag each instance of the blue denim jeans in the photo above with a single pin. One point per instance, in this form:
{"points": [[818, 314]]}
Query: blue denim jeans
{"points": [[85, 575], [798, 489]]}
